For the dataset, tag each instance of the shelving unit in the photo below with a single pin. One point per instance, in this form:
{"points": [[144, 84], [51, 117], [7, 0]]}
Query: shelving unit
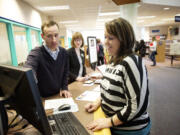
{"points": [[172, 49], [167, 47]]}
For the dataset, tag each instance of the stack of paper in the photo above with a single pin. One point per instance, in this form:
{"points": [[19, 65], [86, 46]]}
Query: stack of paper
{"points": [[89, 96]]}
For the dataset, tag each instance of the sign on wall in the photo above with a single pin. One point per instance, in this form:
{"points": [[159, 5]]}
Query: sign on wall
{"points": [[177, 18]]}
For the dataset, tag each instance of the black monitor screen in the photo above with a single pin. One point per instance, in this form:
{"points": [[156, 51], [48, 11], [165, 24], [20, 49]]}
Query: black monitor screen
{"points": [[18, 84]]}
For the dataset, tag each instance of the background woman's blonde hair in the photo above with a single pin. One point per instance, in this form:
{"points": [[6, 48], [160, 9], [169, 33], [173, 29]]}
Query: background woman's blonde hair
{"points": [[77, 35], [121, 29]]}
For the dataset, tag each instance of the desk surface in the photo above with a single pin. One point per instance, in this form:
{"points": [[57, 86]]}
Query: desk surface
{"points": [[76, 89]]}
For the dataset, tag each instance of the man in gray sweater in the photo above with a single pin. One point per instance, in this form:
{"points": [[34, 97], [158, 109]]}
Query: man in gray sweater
{"points": [[49, 63]]}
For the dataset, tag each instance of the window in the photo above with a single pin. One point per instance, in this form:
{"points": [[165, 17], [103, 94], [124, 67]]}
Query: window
{"points": [[34, 38], [20, 44], [5, 55]]}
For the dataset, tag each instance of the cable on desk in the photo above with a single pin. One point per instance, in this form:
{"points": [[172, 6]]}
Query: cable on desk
{"points": [[24, 126], [15, 124], [13, 120]]}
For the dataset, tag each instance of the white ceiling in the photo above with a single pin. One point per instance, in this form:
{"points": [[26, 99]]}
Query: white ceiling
{"points": [[86, 12]]}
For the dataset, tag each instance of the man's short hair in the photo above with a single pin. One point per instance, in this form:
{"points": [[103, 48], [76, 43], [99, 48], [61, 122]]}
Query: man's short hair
{"points": [[48, 24]]}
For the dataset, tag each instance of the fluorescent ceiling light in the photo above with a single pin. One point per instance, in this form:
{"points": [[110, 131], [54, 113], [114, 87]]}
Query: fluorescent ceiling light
{"points": [[71, 21], [157, 23], [166, 8], [138, 5], [109, 13], [75, 29], [104, 20], [64, 7], [99, 27], [101, 20], [100, 23], [148, 25], [168, 19], [72, 25], [154, 24], [140, 21], [146, 17]]}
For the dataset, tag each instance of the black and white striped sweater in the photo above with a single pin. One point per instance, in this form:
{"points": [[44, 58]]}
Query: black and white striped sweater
{"points": [[124, 91]]}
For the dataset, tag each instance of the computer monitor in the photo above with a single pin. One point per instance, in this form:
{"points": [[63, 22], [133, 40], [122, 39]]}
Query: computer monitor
{"points": [[18, 85]]}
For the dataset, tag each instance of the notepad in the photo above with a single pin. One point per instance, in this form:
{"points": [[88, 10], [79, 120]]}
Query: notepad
{"points": [[100, 114]]}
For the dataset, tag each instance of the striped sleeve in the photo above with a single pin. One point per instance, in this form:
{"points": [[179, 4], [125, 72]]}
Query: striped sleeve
{"points": [[132, 88]]}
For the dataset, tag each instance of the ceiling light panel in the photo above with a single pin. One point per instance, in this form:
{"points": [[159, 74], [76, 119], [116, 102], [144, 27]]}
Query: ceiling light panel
{"points": [[64, 7], [146, 17], [67, 22], [168, 19], [166, 8], [109, 13]]}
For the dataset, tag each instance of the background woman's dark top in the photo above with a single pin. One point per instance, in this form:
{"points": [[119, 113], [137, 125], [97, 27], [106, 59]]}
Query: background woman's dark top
{"points": [[74, 65]]}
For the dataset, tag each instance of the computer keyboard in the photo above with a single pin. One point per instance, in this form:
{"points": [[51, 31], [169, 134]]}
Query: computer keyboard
{"points": [[66, 124]]}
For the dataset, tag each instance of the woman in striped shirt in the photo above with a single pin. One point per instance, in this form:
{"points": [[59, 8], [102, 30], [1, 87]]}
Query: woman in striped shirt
{"points": [[124, 87]]}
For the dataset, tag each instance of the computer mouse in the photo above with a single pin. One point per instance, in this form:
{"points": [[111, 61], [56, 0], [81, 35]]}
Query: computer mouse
{"points": [[64, 107]]}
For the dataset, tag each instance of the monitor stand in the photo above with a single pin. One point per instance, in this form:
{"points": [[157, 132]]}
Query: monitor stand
{"points": [[93, 66]]}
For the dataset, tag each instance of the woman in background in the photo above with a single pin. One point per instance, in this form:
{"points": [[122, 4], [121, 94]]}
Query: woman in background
{"points": [[124, 86], [153, 47], [77, 70], [141, 48]]}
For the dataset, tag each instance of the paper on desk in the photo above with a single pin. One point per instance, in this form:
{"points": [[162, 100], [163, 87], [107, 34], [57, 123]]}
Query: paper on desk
{"points": [[74, 108], [55, 103], [98, 81], [96, 88], [88, 84], [101, 68], [95, 75], [89, 96]]}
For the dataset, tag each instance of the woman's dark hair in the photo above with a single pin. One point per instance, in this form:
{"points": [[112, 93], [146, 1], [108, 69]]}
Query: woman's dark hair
{"points": [[121, 29], [142, 42]]}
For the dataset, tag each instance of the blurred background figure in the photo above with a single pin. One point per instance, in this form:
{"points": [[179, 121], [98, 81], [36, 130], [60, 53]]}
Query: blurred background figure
{"points": [[137, 46], [77, 70], [153, 51], [140, 48], [100, 52]]}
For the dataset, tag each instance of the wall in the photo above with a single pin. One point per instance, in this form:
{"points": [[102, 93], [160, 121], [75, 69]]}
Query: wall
{"points": [[63, 33], [69, 34], [20, 11], [142, 33], [97, 33], [177, 36], [162, 30]]}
